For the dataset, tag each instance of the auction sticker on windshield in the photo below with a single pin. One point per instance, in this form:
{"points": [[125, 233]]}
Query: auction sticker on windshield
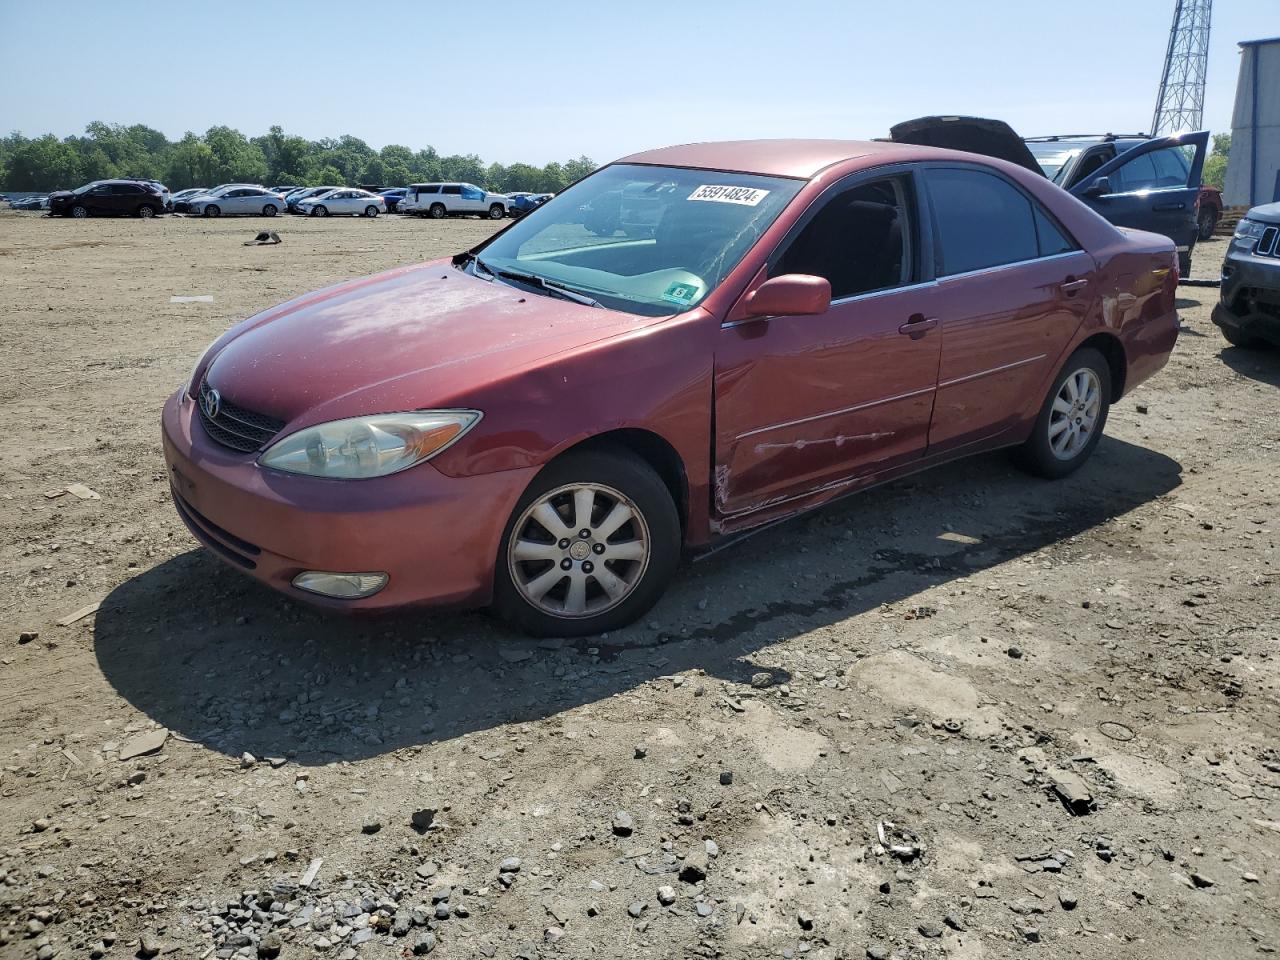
{"points": [[747, 196]]}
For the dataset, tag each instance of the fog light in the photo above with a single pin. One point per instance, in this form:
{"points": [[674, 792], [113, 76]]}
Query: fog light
{"points": [[344, 586]]}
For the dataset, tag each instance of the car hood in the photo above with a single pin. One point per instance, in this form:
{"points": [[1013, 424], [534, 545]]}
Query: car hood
{"points": [[1267, 213], [406, 339], [990, 138]]}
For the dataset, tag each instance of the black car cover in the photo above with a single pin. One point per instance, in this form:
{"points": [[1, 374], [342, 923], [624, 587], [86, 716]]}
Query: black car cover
{"points": [[991, 138]]}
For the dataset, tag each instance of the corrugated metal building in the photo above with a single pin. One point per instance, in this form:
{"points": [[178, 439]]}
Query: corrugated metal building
{"points": [[1253, 171]]}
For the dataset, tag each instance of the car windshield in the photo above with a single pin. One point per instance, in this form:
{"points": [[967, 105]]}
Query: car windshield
{"points": [[647, 240], [86, 188], [1054, 155]]}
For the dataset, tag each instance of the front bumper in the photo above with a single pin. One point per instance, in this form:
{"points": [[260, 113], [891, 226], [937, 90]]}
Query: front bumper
{"points": [[1250, 295], [436, 537]]}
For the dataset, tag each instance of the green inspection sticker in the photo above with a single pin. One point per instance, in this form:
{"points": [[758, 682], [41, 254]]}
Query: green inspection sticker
{"points": [[681, 293]]}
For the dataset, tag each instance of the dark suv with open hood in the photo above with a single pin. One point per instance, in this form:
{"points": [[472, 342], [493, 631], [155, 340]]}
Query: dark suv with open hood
{"points": [[1146, 183], [109, 198], [1248, 312]]}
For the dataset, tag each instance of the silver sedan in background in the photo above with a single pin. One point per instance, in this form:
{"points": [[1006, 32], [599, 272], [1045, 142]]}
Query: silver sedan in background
{"points": [[348, 200], [235, 199]]}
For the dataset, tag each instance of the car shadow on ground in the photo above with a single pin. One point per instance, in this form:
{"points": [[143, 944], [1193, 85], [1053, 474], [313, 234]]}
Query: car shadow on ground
{"points": [[1257, 363], [222, 661]]}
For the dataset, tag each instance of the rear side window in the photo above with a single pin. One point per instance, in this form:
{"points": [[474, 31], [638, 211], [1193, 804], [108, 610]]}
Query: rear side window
{"points": [[1050, 237], [451, 189], [981, 221]]}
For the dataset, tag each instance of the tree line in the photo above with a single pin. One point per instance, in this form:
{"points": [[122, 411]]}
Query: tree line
{"points": [[225, 155]]}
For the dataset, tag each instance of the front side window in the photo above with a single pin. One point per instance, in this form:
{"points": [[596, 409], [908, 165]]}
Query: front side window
{"points": [[980, 220], [860, 240], [644, 239], [1156, 170], [471, 193]]}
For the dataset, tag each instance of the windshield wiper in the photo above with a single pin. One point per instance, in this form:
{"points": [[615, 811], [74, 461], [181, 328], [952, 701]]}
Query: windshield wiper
{"points": [[553, 288]]}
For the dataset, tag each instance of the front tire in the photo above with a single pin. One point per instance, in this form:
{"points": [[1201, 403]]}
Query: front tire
{"points": [[320, 212], [552, 581], [496, 212], [1238, 338], [213, 210], [1184, 264], [1072, 418], [438, 211], [79, 212]]}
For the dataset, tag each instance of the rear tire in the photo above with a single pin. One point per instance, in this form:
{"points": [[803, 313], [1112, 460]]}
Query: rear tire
{"points": [[1207, 222], [1071, 419], [437, 211], [146, 211], [270, 210], [371, 211], [646, 544]]}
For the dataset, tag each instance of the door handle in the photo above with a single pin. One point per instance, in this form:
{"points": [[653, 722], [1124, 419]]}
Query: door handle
{"points": [[1168, 206], [1071, 287], [918, 325]]}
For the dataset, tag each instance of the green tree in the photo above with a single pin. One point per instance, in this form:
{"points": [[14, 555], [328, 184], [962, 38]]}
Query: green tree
{"points": [[190, 164], [235, 159], [45, 163], [1215, 168]]}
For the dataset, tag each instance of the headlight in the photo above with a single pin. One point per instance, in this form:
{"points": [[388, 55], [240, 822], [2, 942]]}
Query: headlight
{"points": [[364, 447], [1250, 229]]}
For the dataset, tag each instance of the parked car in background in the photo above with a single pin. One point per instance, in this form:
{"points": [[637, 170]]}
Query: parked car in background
{"points": [[1208, 210], [178, 202], [293, 199], [160, 188], [523, 203], [1248, 311], [440, 200], [348, 201], [327, 446], [1133, 181], [236, 199], [393, 196], [284, 191], [30, 203], [110, 198]]}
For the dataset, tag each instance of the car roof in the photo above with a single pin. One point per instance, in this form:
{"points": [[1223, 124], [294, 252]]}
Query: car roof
{"points": [[800, 159]]}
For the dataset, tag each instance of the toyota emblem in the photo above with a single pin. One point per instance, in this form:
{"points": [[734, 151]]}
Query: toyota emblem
{"points": [[211, 403]]}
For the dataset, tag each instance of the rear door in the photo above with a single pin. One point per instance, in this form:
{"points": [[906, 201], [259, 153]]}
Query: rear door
{"points": [[1015, 288], [1151, 187], [451, 197]]}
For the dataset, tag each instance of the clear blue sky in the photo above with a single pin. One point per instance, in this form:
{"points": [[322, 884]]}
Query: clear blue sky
{"points": [[546, 81]]}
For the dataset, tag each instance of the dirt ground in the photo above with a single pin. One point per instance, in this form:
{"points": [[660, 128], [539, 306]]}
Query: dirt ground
{"points": [[839, 738]]}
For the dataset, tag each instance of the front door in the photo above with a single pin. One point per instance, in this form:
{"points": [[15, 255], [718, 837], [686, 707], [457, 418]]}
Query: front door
{"points": [[1016, 288], [1151, 187], [808, 402]]}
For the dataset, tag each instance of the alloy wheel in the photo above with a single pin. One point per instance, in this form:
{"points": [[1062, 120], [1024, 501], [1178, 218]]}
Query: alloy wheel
{"points": [[1074, 414], [579, 550]]}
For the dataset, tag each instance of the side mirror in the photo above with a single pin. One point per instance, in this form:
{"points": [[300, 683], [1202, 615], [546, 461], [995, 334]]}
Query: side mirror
{"points": [[790, 295], [1099, 187]]}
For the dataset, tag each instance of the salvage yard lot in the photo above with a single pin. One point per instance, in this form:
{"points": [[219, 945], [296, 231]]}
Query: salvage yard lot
{"points": [[932, 656]]}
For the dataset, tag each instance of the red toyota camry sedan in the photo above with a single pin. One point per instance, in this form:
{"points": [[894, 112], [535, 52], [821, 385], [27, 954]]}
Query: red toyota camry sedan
{"points": [[684, 345]]}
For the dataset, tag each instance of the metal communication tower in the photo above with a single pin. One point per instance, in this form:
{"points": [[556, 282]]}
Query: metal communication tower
{"points": [[1180, 103]]}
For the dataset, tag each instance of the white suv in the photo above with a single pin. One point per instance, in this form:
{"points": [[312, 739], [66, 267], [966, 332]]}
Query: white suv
{"points": [[441, 200]]}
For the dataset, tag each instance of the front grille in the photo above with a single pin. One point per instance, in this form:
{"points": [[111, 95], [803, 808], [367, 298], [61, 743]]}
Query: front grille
{"points": [[1269, 243], [235, 427]]}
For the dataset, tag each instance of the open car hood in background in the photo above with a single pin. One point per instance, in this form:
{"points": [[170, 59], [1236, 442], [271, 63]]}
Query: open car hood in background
{"points": [[991, 138]]}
